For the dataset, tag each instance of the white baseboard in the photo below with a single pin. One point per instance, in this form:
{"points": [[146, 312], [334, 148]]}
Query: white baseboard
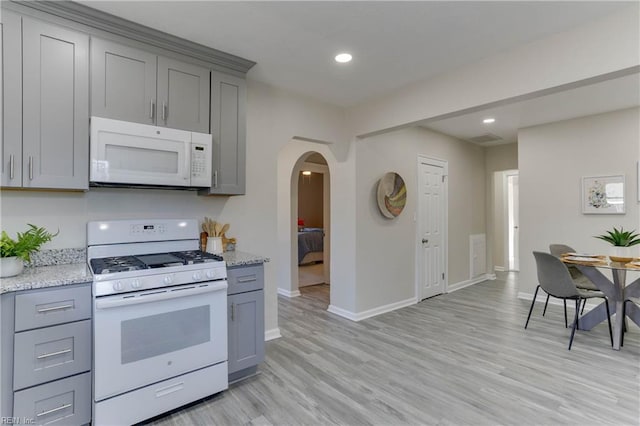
{"points": [[272, 334], [462, 284], [359, 316], [499, 268], [288, 293]]}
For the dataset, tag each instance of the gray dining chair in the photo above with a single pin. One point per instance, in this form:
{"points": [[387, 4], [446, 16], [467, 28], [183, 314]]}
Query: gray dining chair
{"points": [[628, 300], [578, 277], [554, 278]]}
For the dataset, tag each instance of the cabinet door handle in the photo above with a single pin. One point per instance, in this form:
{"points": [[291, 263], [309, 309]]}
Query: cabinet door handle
{"points": [[164, 111], [43, 356], [233, 311], [247, 279], [215, 179], [152, 106], [30, 167], [55, 308], [62, 407], [11, 166]]}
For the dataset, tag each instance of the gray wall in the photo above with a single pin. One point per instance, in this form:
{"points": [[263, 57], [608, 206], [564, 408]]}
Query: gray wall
{"points": [[386, 248], [552, 159]]}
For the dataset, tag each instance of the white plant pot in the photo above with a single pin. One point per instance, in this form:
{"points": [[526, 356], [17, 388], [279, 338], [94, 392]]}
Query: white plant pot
{"points": [[622, 254], [10, 266]]}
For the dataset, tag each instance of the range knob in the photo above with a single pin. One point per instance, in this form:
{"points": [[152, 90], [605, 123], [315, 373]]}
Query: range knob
{"points": [[168, 279], [197, 276], [117, 286], [211, 273], [136, 283]]}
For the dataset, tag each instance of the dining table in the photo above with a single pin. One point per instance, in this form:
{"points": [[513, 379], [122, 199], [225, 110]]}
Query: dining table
{"points": [[616, 289]]}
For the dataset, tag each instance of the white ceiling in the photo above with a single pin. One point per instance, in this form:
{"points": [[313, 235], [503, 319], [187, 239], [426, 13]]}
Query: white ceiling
{"points": [[394, 43], [610, 95]]}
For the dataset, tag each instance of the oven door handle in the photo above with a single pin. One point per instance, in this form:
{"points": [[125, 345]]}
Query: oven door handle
{"points": [[160, 295]]}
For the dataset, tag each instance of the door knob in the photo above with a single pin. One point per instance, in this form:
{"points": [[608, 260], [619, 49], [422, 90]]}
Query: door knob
{"points": [[425, 241]]}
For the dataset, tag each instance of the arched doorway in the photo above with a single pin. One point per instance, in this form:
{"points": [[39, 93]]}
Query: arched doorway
{"points": [[341, 236], [313, 226]]}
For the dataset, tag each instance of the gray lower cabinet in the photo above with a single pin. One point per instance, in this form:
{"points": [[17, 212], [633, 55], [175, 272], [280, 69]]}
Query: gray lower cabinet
{"points": [[45, 105], [47, 355], [228, 127], [135, 85], [246, 320]]}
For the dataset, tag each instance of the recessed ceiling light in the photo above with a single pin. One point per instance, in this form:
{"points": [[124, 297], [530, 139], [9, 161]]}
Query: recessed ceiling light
{"points": [[306, 173], [343, 58], [488, 120]]}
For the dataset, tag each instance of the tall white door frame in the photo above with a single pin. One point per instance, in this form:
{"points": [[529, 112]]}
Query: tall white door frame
{"points": [[420, 226], [509, 231]]}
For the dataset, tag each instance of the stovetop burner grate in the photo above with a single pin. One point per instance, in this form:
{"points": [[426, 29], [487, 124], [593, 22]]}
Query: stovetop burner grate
{"points": [[108, 265], [196, 256]]}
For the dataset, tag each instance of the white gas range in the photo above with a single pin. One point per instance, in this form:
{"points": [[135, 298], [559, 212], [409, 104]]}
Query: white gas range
{"points": [[160, 318]]}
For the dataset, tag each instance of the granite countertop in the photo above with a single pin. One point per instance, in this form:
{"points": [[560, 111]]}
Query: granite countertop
{"points": [[47, 276], [53, 268], [238, 258]]}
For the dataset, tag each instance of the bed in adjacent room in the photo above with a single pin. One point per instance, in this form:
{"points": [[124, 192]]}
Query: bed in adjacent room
{"points": [[310, 245]]}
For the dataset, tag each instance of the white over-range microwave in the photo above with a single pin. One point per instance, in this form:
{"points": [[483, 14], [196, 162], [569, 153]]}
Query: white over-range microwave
{"points": [[132, 154]]}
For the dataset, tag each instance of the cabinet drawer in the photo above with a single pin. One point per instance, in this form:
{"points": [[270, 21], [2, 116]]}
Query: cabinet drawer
{"points": [[36, 309], [67, 401], [51, 353], [245, 278]]}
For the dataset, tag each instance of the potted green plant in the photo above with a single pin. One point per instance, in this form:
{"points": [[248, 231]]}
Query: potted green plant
{"points": [[621, 240], [13, 253]]}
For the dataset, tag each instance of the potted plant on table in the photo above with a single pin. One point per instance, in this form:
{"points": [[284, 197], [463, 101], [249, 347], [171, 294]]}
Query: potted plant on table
{"points": [[13, 253], [621, 240]]}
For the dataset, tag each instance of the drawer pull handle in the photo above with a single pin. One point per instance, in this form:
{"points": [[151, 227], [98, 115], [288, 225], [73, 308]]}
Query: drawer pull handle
{"points": [[53, 410], [55, 308], [169, 389], [247, 279], [43, 356]]}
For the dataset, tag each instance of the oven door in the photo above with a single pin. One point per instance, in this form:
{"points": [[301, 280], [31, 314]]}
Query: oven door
{"points": [[142, 338]]}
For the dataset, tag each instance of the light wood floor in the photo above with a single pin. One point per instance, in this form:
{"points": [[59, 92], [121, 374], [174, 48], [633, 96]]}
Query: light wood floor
{"points": [[458, 359]]}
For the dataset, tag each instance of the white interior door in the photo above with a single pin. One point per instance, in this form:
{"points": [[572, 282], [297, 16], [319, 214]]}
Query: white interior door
{"points": [[513, 222], [432, 247]]}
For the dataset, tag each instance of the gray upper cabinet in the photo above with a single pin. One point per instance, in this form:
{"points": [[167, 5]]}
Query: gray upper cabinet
{"points": [[123, 82], [228, 127], [46, 105], [183, 95], [12, 100], [134, 85]]}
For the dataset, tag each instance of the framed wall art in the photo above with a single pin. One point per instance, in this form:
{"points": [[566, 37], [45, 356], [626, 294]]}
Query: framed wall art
{"points": [[603, 195], [391, 195]]}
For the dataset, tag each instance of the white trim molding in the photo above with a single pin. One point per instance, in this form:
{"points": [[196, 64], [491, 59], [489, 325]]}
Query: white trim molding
{"points": [[287, 293], [359, 316], [272, 334], [462, 284], [499, 268]]}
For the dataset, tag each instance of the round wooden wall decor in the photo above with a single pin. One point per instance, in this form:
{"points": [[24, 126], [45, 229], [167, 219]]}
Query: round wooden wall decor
{"points": [[392, 195]]}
